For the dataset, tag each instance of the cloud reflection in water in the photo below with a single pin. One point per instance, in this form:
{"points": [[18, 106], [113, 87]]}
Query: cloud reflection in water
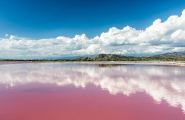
{"points": [[160, 82]]}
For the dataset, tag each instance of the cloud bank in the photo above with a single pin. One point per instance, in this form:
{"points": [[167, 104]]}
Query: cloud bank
{"points": [[160, 37]]}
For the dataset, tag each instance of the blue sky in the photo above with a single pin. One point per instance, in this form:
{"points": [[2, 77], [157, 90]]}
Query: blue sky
{"points": [[49, 19]]}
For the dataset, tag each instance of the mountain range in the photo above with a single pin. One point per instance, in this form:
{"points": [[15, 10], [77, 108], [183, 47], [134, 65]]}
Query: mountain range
{"points": [[173, 55]]}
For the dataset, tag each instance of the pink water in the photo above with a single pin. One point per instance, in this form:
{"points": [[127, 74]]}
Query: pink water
{"points": [[69, 91]]}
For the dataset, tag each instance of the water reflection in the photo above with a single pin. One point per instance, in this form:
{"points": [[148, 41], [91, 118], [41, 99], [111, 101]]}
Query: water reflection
{"points": [[160, 82]]}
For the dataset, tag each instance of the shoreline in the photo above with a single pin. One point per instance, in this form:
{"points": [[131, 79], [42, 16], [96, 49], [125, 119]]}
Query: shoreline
{"points": [[175, 63], [19, 62]]}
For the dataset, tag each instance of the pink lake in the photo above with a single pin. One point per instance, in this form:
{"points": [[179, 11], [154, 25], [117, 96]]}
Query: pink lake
{"points": [[80, 91]]}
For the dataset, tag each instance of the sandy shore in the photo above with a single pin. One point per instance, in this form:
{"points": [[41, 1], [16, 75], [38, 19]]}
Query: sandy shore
{"points": [[176, 63]]}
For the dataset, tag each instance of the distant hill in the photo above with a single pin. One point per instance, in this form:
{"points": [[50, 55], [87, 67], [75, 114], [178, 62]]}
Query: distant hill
{"points": [[171, 55], [105, 57], [174, 56], [113, 57]]}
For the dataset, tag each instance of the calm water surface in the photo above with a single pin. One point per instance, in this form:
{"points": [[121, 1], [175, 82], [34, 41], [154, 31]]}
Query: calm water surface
{"points": [[74, 91]]}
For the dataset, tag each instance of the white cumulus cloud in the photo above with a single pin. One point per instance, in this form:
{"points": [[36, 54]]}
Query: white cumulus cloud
{"points": [[160, 37], [6, 34]]}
